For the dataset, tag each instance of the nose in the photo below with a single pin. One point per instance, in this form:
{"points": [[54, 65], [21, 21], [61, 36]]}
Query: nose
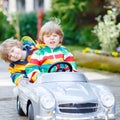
{"points": [[12, 54], [51, 37]]}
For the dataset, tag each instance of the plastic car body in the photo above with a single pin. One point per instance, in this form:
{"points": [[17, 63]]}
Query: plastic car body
{"points": [[65, 96]]}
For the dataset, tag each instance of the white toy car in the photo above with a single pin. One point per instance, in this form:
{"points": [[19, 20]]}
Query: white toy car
{"points": [[65, 96]]}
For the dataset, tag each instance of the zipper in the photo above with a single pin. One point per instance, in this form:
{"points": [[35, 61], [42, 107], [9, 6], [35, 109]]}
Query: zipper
{"points": [[53, 55]]}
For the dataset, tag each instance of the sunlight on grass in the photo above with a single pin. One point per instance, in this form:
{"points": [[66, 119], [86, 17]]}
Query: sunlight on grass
{"points": [[74, 47]]}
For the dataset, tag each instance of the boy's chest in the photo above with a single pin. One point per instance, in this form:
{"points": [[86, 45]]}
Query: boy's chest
{"points": [[52, 58]]}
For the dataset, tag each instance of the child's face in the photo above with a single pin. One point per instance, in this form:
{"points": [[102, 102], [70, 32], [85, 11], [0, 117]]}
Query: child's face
{"points": [[15, 54], [51, 40]]}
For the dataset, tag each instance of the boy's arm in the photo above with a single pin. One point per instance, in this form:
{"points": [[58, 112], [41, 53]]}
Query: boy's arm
{"points": [[70, 58], [15, 76], [32, 71], [32, 68], [26, 40]]}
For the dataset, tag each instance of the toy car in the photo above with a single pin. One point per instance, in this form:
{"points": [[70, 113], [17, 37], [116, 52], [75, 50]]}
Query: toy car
{"points": [[65, 96]]}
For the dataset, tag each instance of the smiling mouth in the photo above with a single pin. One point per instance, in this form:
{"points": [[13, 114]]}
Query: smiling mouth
{"points": [[53, 42], [16, 57]]}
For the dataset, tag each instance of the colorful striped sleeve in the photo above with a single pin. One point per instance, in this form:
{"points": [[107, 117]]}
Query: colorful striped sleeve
{"points": [[32, 71], [32, 68], [15, 76], [26, 40], [68, 57]]}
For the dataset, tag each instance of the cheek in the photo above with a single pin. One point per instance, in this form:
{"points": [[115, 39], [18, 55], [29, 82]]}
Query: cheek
{"points": [[12, 59], [46, 41], [18, 51], [58, 40]]}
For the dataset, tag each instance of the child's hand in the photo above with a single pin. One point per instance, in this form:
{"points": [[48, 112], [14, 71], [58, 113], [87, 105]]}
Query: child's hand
{"points": [[23, 81]]}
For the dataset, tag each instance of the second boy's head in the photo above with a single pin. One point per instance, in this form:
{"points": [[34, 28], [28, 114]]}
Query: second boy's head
{"points": [[11, 50], [51, 34]]}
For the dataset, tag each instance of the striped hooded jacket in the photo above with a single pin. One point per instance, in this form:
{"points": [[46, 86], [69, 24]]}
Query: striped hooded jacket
{"points": [[17, 69], [42, 59]]}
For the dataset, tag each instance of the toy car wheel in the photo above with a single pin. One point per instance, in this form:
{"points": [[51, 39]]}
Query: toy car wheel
{"points": [[19, 109], [60, 67], [30, 112]]}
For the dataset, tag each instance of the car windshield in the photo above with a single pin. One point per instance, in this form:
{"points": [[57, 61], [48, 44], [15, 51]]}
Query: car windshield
{"points": [[63, 77]]}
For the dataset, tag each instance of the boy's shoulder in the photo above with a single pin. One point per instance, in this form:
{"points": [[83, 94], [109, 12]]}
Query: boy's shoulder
{"points": [[42, 50], [40, 46], [63, 48]]}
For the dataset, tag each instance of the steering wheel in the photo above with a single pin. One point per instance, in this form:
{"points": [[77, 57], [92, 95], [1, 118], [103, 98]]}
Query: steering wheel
{"points": [[60, 67]]}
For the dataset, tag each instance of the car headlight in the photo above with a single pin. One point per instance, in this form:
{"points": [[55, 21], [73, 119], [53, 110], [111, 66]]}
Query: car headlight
{"points": [[47, 101], [107, 100]]}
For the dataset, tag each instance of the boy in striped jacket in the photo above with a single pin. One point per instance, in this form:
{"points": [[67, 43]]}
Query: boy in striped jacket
{"points": [[17, 53], [51, 35]]}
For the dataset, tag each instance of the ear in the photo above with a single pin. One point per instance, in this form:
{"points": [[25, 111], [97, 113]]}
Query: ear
{"points": [[61, 39]]}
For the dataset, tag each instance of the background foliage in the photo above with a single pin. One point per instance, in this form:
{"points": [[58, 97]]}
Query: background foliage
{"points": [[108, 30], [28, 24], [7, 29], [77, 20]]}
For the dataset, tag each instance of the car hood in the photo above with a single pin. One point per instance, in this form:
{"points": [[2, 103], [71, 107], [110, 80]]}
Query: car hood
{"points": [[72, 91]]}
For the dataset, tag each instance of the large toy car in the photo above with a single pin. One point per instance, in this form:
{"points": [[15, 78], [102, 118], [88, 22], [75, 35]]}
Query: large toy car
{"points": [[65, 96]]}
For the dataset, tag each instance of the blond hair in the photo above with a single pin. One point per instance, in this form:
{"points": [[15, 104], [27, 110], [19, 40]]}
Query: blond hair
{"points": [[49, 28], [6, 46]]}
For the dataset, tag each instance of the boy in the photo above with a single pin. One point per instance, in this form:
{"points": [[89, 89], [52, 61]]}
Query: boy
{"points": [[17, 53], [51, 35]]}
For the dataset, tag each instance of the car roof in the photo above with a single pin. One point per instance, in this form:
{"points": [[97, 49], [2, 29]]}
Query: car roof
{"points": [[63, 77]]}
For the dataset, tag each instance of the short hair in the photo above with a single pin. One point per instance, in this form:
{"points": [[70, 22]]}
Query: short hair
{"points": [[49, 28], [6, 46]]}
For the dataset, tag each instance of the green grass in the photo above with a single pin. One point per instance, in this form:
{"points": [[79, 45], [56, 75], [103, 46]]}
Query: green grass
{"points": [[93, 61], [99, 62], [73, 47]]}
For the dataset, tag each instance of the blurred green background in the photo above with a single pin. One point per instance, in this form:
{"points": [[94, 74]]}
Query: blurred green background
{"points": [[77, 20]]}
